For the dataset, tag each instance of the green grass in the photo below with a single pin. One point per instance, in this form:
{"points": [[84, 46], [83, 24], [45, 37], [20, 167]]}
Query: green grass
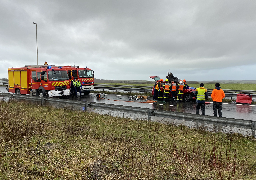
{"points": [[46, 143], [229, 86], [208, 86]]}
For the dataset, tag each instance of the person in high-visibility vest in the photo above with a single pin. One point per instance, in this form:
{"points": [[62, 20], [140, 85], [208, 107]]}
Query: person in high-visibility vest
{"points": [[160, 90], [174, 90], [201, 96], [180, 91], [155, 89], [166, 88], [217, 96], [73, 88], [78, 86]]}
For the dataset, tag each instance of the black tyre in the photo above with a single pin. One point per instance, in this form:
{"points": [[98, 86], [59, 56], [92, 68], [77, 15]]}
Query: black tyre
{"points": [[46, 94], [37, 92], [17, 91]]}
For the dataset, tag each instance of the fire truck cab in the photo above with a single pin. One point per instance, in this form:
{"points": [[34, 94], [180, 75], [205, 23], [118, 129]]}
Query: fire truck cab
{"points": [[84, 75], [36, 79]]}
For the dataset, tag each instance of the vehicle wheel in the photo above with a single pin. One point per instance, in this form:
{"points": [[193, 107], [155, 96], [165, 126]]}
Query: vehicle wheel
{"points": [[17, 91], [46, 94], [188, 97], [37, 92]]}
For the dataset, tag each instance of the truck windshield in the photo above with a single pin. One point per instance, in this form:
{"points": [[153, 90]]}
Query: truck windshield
{"points": [[85, 73], [57, 75]]}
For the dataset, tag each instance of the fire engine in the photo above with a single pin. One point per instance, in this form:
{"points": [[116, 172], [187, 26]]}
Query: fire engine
{"points": [[35, 79], [84, 75]]}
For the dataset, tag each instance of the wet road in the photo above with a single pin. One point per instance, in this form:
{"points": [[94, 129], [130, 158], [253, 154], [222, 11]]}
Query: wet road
{"points": [[230, 110]]}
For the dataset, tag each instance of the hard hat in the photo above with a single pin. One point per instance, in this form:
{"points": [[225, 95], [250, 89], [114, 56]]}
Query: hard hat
{"points": [[184, 80], [161, 80]]}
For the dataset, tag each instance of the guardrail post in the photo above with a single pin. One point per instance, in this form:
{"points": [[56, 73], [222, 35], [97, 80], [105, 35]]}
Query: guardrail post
{"points": [[85, 106], [150, 113], [253, 128], [42, 101]]}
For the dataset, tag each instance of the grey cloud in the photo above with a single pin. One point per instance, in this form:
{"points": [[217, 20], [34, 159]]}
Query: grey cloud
{"points": [[131, 39]]}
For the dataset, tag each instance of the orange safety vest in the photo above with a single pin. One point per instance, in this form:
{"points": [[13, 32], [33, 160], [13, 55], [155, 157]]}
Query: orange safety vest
{"points": [[167, 87], [217, 95], [181, 87], [174, 87]]}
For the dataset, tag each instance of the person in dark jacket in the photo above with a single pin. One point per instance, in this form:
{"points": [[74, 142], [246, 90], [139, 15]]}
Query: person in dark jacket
{"points": [[155, 90], [186, 86], [217, 96], [201, 96], [73, 88]]}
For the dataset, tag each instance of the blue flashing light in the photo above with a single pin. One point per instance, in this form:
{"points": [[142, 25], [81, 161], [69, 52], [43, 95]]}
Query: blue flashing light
{"points": [[49, 67], [60, 67]]}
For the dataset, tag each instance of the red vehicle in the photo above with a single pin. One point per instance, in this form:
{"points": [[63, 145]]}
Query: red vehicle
{"points": [[36, 79], [85, 76], [243, 98]]}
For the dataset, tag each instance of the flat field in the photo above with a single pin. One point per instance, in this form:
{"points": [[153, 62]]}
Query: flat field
{"points": [[229, 86], [208, 86], [47, 143]]}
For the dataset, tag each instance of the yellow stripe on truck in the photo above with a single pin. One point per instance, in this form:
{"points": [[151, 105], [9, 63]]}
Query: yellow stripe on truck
{"points": [[60, 83]]}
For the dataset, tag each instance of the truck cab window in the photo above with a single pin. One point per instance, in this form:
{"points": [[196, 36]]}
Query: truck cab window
{"points": [[38, 76], [34, 76]]}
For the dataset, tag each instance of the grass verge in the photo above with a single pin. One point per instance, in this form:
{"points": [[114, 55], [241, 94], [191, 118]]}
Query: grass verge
{"points": [[48, 143]]}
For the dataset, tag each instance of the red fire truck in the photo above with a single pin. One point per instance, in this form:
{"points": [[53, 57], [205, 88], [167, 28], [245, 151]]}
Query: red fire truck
{"points": [[35, 79], [84, 75]]}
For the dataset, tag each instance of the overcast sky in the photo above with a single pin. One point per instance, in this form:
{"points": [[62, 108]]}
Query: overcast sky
{"points": [[133, 39]]}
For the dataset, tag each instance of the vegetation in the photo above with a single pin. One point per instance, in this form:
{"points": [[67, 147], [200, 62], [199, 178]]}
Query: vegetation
{"points": [[47, 143], [229, 86], [208, 86]]}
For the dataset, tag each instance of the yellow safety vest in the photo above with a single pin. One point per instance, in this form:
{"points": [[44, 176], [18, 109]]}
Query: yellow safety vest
{"points": [[201, 94]]}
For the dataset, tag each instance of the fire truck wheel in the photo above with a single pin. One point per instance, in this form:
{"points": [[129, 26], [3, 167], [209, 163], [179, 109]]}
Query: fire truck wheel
{"points": [[46, 94], [37, 92], [17, 91]]}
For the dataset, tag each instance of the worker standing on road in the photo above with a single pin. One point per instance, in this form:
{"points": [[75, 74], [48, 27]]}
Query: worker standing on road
{"points": [[186, 86], [180, 90], [217, 96], [166, 87], [73, 88], [174, 90], [78, 86], [155, 91], [160, 90], [201, 96]]}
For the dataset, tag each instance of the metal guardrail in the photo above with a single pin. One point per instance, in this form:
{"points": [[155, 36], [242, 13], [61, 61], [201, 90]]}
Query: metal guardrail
{"points": [[247, 124], [199, 120]]}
